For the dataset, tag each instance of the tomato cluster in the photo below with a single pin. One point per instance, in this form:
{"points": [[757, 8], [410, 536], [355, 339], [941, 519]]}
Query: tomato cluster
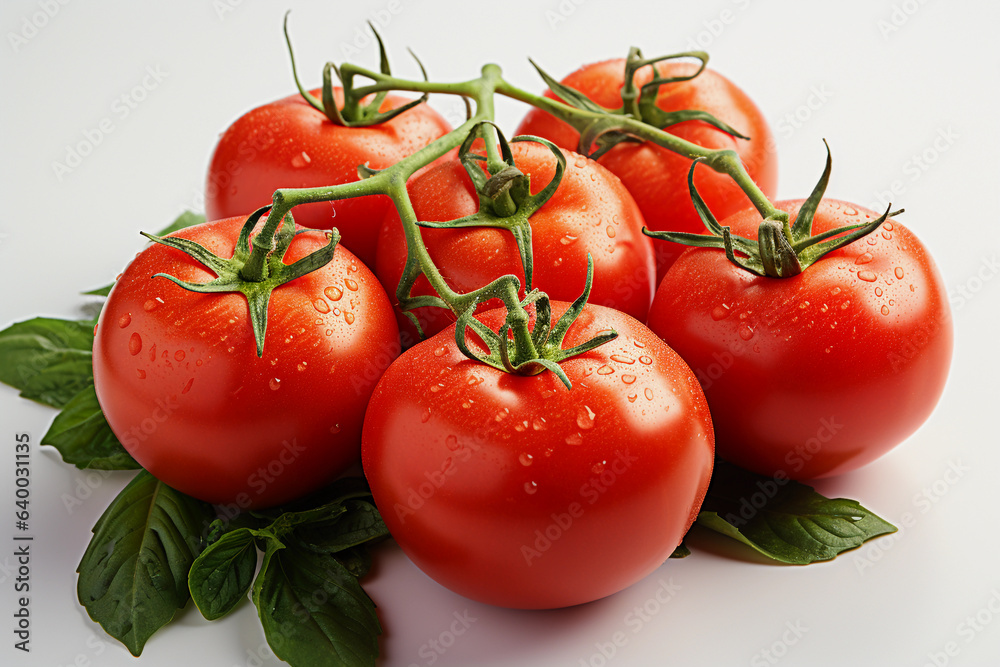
{"points": [[511, 487]]}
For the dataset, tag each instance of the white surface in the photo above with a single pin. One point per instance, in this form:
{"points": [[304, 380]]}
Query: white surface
{"points": [[880, 99]]}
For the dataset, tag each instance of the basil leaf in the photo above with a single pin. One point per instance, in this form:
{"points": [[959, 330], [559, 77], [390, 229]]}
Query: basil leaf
{"points": [[133, 576], [357, 560], [185, 219], [82, 435], [783, 519], [359, 523], [681, 551], [314, 612], [221, 576], [48, 359]]}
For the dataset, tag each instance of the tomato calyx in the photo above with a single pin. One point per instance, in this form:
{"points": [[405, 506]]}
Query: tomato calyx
{"points": [[255, 270], [782, 249], [602, 132], [542, 349], [353, 113], [505, 199]]}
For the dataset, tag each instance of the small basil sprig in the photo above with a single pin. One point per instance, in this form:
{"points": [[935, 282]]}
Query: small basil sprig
{"points": [[792, 524], [311, 606]]}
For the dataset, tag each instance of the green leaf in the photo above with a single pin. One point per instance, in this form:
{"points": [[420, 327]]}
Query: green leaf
{"points": [[783, 519], [134, 574], [359, 523], [314, 612], [82, 435], [221, 576], [48, 359], [185, 219], [681, 551]]}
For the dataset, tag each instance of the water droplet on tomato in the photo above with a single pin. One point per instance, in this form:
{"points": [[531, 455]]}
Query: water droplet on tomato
{"points": [[335, 429], [135, 344], [887, 225], [187, 386], [301, 161], [824, 308], [899, 272], [648, 393], [125, 320], [435, 388], [803, 306], [746, 333], [867, 276], [585, 418], [645, 360], [639, 344], [467, 404], [557, 262], [150, 305], [526, 459], [140, 373], [628, 378], [632, 397], [850, 210], [547, 393], [605, 370], [886, 235], [530, 487], [274, 384], [622, 359], [321, 306], [864, 258], [568, 239], [845, 305], [835, 291], [301, 366], [333, 293], [440, 351], [521, 427], [179, 355], [539, 424], [574, 439], [351, 284], [720, 312], [598, 467], [885, 310], [827, 350], [610, 231], [349, 317]]}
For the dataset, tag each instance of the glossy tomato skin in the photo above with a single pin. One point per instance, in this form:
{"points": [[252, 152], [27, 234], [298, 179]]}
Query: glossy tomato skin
{"points": [[821, 373], [656, 177], [178, 377], [289, 144], [589, 213], [517, 492]]}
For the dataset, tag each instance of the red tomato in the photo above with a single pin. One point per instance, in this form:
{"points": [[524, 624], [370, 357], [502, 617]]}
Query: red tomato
{"points": [[178, 377], [289, 144], [656, 177], [820, 373], [590, 212], [515, 491]]}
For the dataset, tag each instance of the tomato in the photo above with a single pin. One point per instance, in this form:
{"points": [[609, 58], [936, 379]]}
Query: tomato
{"points": [[656, 177], [590, 212], [289, 144], [178, 377], [820, 373], [515, 491]]}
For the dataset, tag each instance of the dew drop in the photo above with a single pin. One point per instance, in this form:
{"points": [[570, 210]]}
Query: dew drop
{"points": [[803, 305], [827, 350], [187, 386], [845, 305], [329, 332], [864, 259], [569, 239], [899, 272], [648, 393], [336, 312], [501, 415], [628, 379], [152, 353], [435, 388], [824, 308], [598, 467], [150, 305], [179, 355], [140, 373], [639, 344], [520, 427], [610, 231], [440, 351], [274, 384], [746, 333], [867, 276], [530, 487], [301, 366], [548, 393], [301, 161], [426, 416], [645, 360], [720, 312], [605, 370], [622, 359], [585, 418], [574, 439], [526, 459], [850, 210], [333, 293], [539, 424], [125, 320], [135, 344], [557, 262], [335, 429], [468, 404], [632, 397], [473, 380], [451, 442], [885, 310], [321, 306], [349, 317], [351, 284], [887, 225], [886, 235], [835, 291]]}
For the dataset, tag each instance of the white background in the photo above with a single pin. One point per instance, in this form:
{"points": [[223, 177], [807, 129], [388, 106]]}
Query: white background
{"points": [[887, 83]]}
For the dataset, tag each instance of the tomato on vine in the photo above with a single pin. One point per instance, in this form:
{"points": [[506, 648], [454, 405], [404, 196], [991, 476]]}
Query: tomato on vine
{"points": [[207, 403], [817, 354], [655, 175], [511, 489]]}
